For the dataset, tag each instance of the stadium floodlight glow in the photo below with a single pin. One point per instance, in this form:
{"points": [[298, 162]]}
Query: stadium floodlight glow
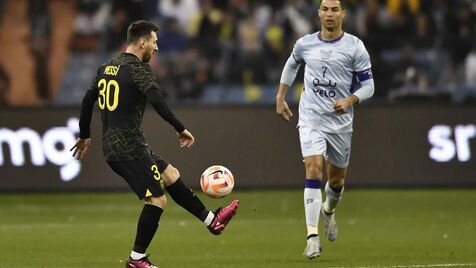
{"points": [[53, 146], [445, 148]]}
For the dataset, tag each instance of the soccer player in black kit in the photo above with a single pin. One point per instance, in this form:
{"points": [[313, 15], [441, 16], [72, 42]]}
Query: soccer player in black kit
{"points": [[122, 88]]}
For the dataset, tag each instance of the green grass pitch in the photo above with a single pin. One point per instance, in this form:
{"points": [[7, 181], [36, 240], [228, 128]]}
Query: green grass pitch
{"points": [[378, 228]]}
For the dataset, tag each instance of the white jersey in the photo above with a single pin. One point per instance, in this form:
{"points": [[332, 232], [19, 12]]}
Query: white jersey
{"points": [[332, 70]]}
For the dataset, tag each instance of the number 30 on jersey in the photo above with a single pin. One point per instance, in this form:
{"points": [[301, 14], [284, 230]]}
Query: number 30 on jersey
{"points": [[107, 90]]}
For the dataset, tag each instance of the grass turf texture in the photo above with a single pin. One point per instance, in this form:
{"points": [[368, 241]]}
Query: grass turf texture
{"points": [[377, 228]]}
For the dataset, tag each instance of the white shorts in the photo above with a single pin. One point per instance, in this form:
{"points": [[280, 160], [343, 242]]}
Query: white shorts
{"points": [[334, 147]]}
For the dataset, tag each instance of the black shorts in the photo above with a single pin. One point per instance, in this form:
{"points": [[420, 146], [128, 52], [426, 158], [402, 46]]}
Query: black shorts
{"points": [[143, 176]]}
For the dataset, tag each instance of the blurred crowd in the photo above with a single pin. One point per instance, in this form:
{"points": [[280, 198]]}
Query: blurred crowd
{"points": [[206, 42], [419, 48]]}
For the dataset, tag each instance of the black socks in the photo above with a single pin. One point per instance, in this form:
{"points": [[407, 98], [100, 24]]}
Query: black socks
{"points": [[146, 227], [187, 199], [150, 216]]}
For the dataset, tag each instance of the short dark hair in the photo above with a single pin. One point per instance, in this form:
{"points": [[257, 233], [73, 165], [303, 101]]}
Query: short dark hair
{"points": [[342, 3], [139, 29]]}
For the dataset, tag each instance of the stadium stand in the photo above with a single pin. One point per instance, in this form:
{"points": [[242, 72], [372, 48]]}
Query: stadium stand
{"points": [[233, 51]]}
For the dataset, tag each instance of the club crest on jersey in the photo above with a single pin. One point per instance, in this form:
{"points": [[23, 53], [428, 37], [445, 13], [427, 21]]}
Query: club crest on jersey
{"points": [[326, 54]]}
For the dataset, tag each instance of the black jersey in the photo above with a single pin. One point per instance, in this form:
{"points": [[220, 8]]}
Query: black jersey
{"points": [[122, 88]]}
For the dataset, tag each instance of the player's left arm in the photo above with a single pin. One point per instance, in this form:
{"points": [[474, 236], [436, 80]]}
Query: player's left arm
{"points": [[80, 148], [364, 77], [366, 91]]}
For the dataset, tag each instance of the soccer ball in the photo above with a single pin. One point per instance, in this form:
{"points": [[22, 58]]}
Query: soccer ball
{"points": [[217, 181]]}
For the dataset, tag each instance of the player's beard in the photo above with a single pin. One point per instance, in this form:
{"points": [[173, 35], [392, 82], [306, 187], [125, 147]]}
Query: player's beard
{"points": [[147, 56]]}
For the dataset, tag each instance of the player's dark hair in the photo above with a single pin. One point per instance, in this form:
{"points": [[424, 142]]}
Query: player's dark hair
{"points": [[342, 4], [140, 29]]}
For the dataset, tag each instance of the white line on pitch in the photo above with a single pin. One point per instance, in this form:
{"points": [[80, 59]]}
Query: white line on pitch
{"points": [[415, 265]]}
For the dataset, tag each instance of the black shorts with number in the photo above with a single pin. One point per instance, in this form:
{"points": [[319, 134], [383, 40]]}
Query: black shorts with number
{"points": [[143, 176]]}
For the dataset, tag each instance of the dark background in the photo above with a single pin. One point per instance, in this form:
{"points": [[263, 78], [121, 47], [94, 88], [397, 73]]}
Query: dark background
{"points": [[390, 148]]}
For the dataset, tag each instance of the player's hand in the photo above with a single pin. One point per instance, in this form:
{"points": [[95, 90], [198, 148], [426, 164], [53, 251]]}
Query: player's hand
{"points": [[283, 110], [81, 148], [186, 139], [342, 105]]}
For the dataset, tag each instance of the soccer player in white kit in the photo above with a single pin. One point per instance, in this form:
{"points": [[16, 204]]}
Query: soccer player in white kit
{"points": [[337, 76]]}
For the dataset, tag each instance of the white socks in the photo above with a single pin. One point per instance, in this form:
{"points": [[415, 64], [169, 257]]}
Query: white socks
{"points": [[209, 218], [137, 256], [312, 205], [332, 199]]}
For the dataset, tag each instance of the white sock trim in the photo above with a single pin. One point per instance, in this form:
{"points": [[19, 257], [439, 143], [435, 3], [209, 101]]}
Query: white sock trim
{"points": [[209, 218], [137, 255], [312, 230]]}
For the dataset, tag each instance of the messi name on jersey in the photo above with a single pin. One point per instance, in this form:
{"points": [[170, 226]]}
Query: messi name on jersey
{"points": [[112, 70]]}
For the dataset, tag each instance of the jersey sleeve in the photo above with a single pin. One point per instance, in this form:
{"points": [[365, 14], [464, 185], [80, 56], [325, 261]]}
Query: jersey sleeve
{"points": [[87, 109], [297, 51], [160, 105], [361, 58], [362, 64], [147, 84], [144, 77]]}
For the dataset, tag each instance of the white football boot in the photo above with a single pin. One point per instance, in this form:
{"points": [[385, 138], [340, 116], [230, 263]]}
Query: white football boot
{"points": [[313, 248], [330, 225]]}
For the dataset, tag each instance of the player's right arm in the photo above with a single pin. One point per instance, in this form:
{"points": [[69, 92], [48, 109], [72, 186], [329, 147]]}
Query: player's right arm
{"points": [[147, 83], [282, 107], [83, 143], [287, 78], [156, 99]]}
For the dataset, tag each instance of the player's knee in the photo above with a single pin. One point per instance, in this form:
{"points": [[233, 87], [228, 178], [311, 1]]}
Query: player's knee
{"points": [[313, 171], [170, 175], [336, 182], [160, 201]]}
